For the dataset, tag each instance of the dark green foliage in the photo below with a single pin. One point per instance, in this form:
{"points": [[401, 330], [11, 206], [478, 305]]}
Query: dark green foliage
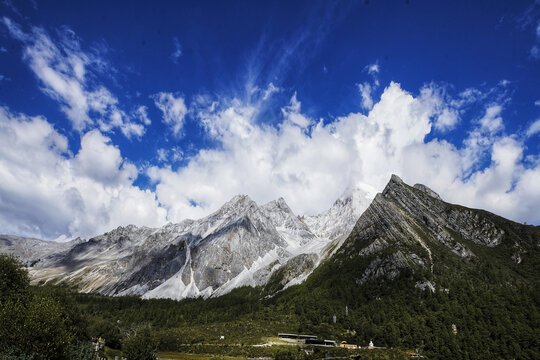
{"points": [[40, 325], [289, 354], [140, 345], [108, 330], [82, 351], [13, 277]]}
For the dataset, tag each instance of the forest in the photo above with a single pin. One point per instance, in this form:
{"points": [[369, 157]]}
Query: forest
{"points": [[471, 319]]}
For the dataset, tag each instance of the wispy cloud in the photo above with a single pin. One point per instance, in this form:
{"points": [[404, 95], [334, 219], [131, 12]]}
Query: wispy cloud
{"points": [[177, 53], [272, 60], [174, 110], [69, 75], [373, 69], [530, 20], [366, 88]]}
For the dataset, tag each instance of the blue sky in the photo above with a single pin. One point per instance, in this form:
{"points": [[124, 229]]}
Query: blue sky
{"points": [[135, 112]]}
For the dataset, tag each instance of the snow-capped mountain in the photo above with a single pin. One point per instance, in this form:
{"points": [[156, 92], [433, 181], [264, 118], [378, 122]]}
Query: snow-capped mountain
{"points": [[240, 244], [341, 217]]}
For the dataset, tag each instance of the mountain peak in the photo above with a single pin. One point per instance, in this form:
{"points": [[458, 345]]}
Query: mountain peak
{"points": [[279, 203], [394, 183], [341, 217], [396, 179], [238, 202]]}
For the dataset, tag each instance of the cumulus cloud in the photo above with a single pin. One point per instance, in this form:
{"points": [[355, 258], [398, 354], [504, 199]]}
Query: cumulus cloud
{"points": [[174, 110], [47, 192], [68, 74], [310, 163], [446, 110]]}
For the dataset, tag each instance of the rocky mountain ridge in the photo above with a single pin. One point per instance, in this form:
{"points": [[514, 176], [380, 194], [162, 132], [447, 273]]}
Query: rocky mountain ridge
{"points": [[240, 244], [412, 230]]}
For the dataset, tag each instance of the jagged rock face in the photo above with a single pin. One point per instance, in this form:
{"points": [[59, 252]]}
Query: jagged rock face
{"points": [[341, 217], [405, 226], [294, 231], [235, 246]]}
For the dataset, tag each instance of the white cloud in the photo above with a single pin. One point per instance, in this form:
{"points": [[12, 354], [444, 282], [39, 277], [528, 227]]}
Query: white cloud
{"points": [[168, 156], [292, 115], [534, 128], [68, 76], [173, 108], [307, 162], [445, 110], [373, 69], [365, 91], [142, 113], [271, 89], [492, 121], [47, 192], [101, 161], [310, 164]]}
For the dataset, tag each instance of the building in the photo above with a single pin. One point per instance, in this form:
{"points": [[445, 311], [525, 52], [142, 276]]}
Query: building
{"points": [[299, 338], [321, 342], [344, 344]]}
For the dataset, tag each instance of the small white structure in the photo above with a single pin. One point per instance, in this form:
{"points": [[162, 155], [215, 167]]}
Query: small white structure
{"points": [[371, 344]]}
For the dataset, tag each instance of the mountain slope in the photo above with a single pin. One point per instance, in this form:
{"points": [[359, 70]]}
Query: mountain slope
{"points": [[240, 244], [412, 228]]}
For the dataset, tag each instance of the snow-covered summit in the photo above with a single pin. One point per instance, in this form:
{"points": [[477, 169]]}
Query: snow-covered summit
{"points": [[339, 220]]}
